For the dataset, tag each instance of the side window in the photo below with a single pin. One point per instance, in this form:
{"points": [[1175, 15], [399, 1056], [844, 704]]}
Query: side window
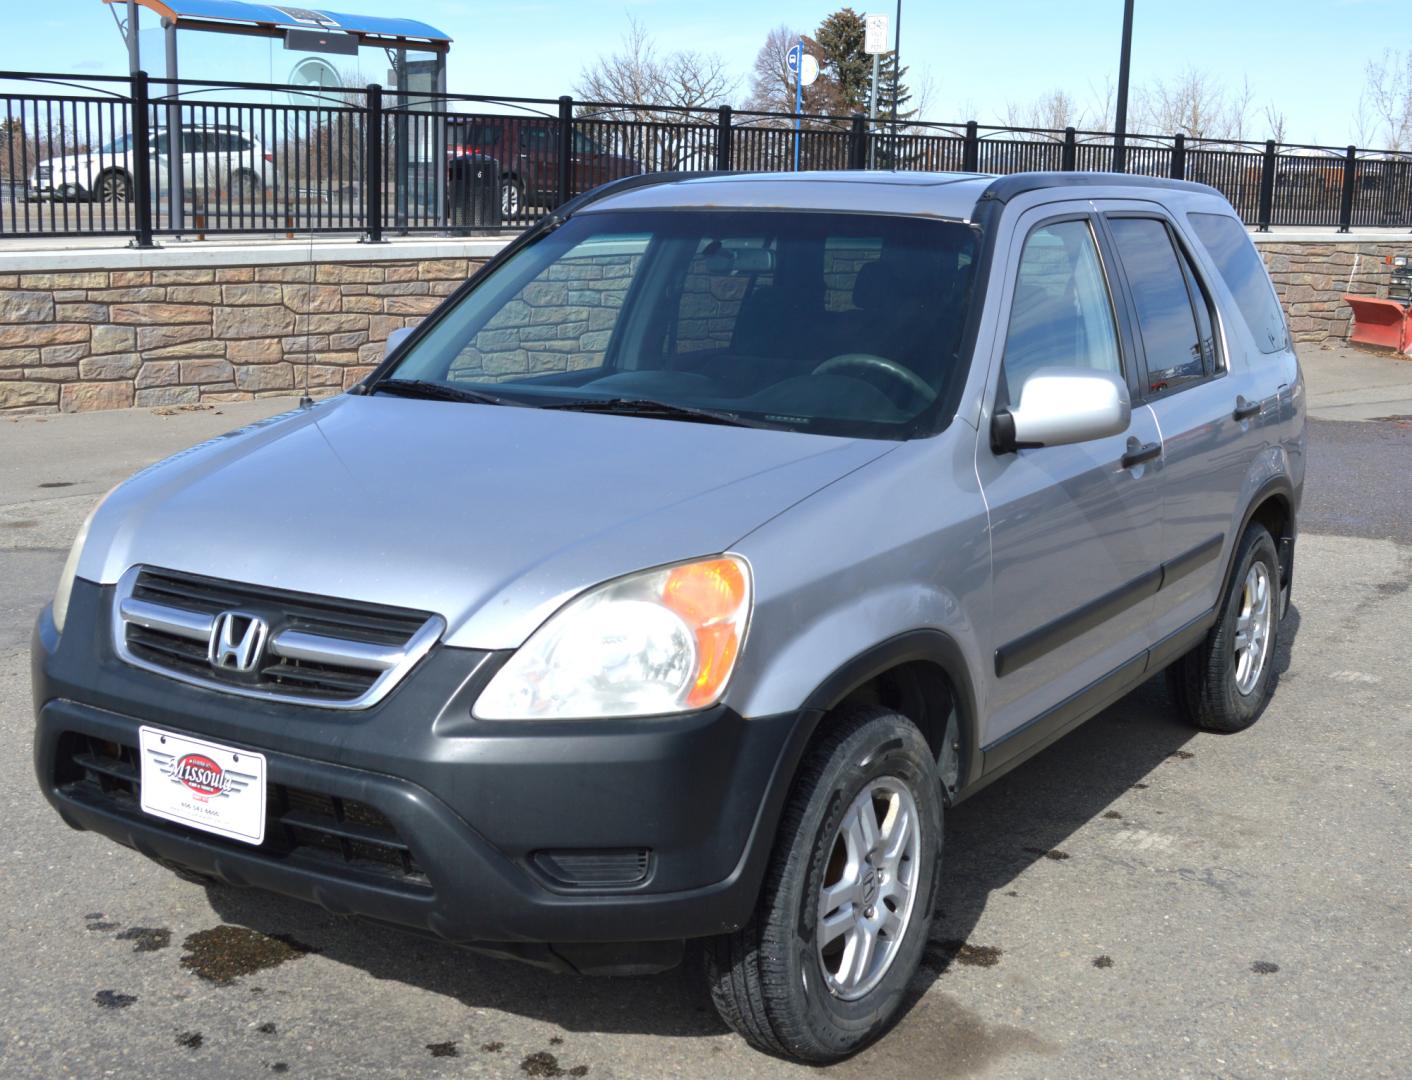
{"points": [[1243, 271], [1179, 352], [536, 139], [1061, 314]]}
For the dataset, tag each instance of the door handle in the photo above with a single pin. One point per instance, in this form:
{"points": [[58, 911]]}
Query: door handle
{"points": [[1244, 410], [1136, 454]]}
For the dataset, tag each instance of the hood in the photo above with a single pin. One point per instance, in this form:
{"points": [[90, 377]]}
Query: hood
{"points": [[491, 516]]}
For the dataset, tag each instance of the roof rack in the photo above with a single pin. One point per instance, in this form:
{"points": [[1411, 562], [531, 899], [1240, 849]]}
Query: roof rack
{"points": [[1005, 188], [629, 183]]}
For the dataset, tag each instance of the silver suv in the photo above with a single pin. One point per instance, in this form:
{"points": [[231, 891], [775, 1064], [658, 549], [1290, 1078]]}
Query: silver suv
{"points": [[674, 578]]}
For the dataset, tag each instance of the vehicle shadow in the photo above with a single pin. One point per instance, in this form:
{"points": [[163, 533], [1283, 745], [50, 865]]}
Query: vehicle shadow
{"points": [[991, 839]]}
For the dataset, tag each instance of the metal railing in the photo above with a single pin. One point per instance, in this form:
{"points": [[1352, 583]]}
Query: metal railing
{"points": [[145, 157]]}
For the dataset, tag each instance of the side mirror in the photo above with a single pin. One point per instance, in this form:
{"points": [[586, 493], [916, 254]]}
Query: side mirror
{"points": [[395, 339], [1059, 406]]}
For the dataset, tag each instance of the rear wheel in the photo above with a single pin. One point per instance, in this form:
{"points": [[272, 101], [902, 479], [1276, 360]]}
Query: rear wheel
{"points": [[244, 186], [823, 966], [1224, 683], [112, 187], [512, 198]]}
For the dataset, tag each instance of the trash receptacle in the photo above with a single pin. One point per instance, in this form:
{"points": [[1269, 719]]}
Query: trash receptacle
{"points": [[473, 191]]}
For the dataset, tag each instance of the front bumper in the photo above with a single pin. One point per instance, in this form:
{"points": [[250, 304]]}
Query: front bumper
{"points": [[476, 804]]}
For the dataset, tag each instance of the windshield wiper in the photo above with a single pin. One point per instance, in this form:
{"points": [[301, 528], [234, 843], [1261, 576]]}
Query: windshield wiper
{"points": [[647, 407], [435, 391]]}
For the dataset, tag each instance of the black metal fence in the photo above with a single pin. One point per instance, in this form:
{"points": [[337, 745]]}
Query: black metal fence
{"points": [[140, 157]]}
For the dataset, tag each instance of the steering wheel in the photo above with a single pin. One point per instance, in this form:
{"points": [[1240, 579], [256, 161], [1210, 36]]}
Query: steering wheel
{"points": [[871, 362]]}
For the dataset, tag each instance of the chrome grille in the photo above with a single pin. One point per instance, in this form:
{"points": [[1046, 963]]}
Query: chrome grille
{"points": [[329, 653]]}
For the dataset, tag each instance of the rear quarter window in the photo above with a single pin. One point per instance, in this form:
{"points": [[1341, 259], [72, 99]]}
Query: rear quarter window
{"points": [[1243, 271]]}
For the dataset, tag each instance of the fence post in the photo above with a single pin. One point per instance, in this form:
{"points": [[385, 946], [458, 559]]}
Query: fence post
{"points": [[858, 142], [1068, 160], [1350, 179], [971, 150], [372, 178], [566, 149], [723, 138], [1267, 188], [1179, 156], [142, 162]]}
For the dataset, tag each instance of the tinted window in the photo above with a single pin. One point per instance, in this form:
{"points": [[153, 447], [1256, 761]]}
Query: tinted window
{"points": [[845, 324], [483, 135], [1177, 355], [1061, 315], [561, 319], [1243, 271], [722, 278]]}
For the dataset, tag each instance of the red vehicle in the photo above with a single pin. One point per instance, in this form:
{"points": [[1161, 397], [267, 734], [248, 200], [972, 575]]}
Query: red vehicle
{"points": [[527, 149]]}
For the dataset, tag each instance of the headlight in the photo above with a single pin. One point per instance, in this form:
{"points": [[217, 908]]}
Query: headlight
{"points": [[662, 641], [66, 578]]}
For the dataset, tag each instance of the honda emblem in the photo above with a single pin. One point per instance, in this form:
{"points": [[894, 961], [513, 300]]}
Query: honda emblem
{"points": [[237, 641]]}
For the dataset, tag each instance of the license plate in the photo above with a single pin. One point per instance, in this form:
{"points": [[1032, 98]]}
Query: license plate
{"points": [[204, 785]]}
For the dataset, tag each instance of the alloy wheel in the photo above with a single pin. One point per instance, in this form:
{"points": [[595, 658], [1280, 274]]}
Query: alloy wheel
{"points": [[869, 888], [1252, 631]]}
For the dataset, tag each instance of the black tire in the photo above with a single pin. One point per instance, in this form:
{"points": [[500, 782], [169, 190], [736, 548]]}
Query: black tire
{"points": [[1205, 680], [512, 199], [244, 185], [112, 187], [768, 980]]}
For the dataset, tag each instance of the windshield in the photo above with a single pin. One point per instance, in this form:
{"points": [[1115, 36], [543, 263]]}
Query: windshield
{"points": [[845, 324]]}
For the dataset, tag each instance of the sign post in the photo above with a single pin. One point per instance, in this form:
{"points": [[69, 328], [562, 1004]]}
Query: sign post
{"points": [[794, 60], [804, 69], [874, 44]]}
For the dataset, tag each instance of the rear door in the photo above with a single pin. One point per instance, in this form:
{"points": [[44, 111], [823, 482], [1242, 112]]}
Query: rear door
{"points": [[1074, 541], [1204, 414]]}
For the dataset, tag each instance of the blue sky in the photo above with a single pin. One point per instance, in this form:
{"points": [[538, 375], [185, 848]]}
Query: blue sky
{"points": [[1306, 57]]}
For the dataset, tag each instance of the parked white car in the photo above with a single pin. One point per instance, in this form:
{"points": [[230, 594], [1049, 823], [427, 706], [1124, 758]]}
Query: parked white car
{"points": [[218, 164]]}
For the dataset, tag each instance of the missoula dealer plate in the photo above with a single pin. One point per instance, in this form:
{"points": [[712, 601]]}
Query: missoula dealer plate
{"points": [[204, 785]]}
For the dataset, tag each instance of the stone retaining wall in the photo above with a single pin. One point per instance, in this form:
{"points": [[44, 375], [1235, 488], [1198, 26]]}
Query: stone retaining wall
{"points": [[1311, 279], [160, 328], [76, 340]]}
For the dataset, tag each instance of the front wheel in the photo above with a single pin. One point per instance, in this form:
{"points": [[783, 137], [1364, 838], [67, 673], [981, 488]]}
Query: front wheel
{"points": [[823, 966]]}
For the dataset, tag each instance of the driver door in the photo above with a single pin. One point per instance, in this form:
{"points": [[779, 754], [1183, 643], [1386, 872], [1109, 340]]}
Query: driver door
{"points": [[1074, 529]]}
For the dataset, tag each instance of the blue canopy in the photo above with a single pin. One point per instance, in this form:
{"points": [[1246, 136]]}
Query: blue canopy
{"points": [[194, 14]]}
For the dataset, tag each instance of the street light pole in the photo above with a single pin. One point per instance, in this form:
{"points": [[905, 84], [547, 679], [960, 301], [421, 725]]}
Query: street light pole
{"points": [[134, 58], [1120, 120]]}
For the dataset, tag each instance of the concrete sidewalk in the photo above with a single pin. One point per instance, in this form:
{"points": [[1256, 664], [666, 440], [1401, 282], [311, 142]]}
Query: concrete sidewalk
{"points": [[1349, 383]]}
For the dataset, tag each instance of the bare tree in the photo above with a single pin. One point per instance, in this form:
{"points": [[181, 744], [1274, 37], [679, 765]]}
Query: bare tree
{"points": [[772, 85], [1099, 116], [636, 79], [1274, 123], [1194, 104], [632, 95], [1053, 110], [1387, 95], [1238, 112]]}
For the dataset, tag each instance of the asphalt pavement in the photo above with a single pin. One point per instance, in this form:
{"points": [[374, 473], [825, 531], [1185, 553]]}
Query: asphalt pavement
{"points": [[1139, 900]]}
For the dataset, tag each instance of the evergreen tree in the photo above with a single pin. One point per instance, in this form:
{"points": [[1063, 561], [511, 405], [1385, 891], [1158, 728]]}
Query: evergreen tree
{"points": [[842, 60], [886, 74]]}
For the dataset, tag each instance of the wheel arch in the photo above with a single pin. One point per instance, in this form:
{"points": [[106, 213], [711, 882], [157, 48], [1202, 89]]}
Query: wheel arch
{"points": [[923, 675], [1275, 506]]}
